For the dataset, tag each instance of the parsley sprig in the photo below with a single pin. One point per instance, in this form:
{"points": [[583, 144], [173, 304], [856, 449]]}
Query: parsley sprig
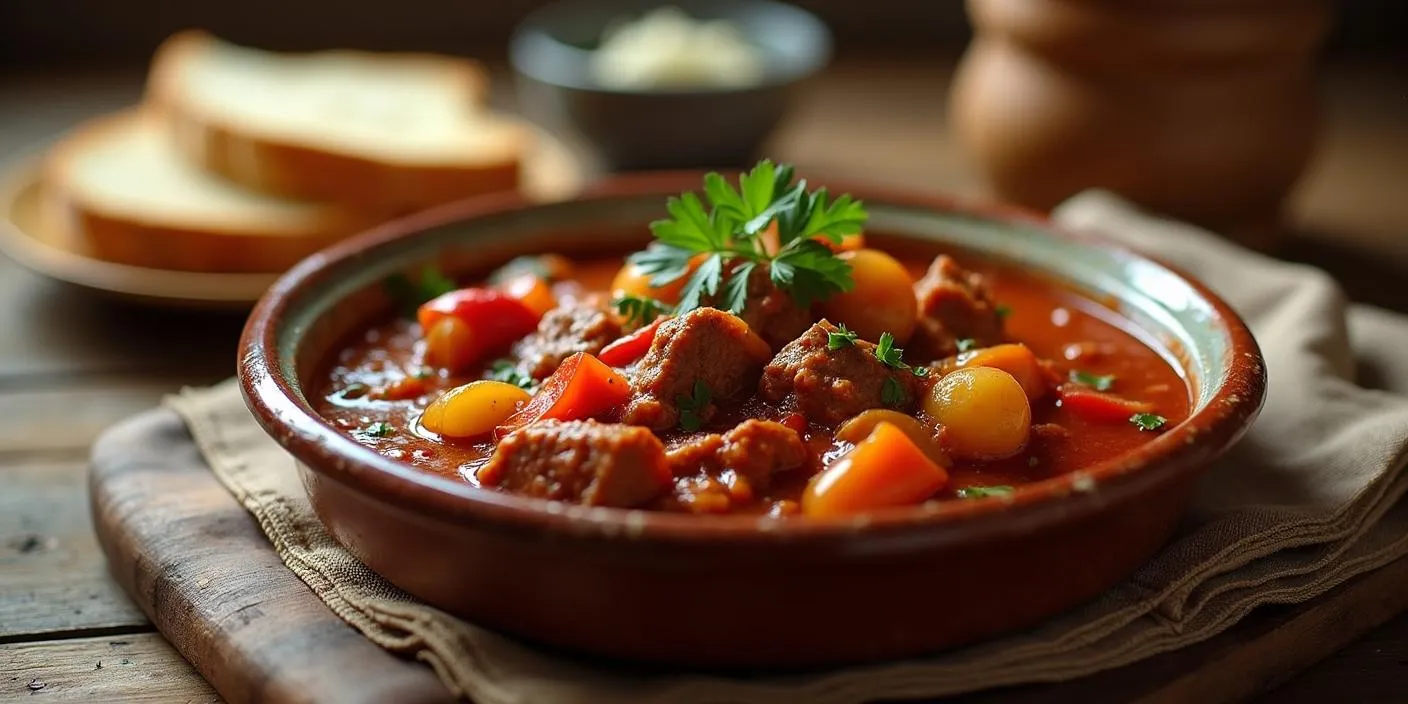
{"points": [[982, 492], [408, 295], [1147, 422], [842, 337], [639, 310], [1099, 382], [506, 371], [893, 357], [692, 406], [727, 234]]}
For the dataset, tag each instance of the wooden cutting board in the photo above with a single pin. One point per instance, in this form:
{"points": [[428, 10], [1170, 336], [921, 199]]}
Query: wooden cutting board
{"points": [[200, 568]]}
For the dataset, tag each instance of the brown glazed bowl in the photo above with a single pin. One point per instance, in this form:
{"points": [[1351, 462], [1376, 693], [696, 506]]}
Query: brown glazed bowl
{"points": [[743, 591]]}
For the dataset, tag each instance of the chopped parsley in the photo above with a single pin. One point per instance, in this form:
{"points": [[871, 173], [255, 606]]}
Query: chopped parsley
{"points": [[1147, 421], [1002, 311], [508, 372], [692, 407], [408, 295], [379, 429], [728, 231], [639, 310], [967, 344], [891, 393], [983, 492], [423, 373], [1099, 382], [843, 337], [893, 357], [526, 264]]}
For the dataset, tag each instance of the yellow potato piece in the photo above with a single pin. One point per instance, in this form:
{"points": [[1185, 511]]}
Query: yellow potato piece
{"points": [[473, 409], [984, 412]]}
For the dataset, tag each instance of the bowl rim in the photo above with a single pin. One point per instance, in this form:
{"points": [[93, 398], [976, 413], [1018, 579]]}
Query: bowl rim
{"points": [[280, 409], [530, 39]]}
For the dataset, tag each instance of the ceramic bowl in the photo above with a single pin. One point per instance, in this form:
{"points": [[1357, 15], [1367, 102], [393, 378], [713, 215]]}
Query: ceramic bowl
{"points": [[551, 56], [743, 591]]}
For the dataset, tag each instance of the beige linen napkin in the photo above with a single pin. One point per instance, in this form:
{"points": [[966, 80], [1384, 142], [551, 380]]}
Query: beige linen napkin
{"points": [[1308, 500]]}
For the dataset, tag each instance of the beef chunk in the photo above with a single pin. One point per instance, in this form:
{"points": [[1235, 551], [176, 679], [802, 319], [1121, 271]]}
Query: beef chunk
{"points": [[772, 313], [580, 325], [718, 472], [756, 449], [954, 304], [705, 345], [581, 461], [828, 386]]}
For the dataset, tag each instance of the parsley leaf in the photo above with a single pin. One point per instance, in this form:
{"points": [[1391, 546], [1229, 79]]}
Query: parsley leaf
{"points": [[736, 288], [692, 407], [891, 393], [982, 492], [639, 310], [728, 229], [1147, 421], [1003, 311], [506, 371], [379, 429], [886, 352], [841, 338], [967, 344], [1099, 382], [408, 295]]}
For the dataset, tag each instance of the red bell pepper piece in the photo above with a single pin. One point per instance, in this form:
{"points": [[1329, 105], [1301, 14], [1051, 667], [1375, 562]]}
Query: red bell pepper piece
{"points": [[1100, 407], [582, 387], [485, 322], [631, 347]]}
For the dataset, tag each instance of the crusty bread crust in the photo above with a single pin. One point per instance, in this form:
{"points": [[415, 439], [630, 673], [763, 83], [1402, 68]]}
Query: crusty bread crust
{"points": [[161, 240], [279, 165]]}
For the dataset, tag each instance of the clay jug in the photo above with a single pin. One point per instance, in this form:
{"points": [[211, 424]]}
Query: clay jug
{"points": [[1200, 109]]}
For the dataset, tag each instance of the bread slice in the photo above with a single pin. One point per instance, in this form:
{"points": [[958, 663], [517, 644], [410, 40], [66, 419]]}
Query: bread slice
{"points": [[118, 188], [389, 133]]}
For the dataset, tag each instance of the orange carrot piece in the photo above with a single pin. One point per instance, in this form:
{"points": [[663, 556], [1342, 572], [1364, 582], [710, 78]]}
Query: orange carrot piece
{"points": [[1015, 359], [885, 469], [582, 387]]}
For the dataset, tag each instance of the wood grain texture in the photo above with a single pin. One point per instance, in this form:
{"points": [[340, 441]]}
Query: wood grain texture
{"points": [[66, 420], [53, 580], [215, 587], [137, 668], [200, 568]]}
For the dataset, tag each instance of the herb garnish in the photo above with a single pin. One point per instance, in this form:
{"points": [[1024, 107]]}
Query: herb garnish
{"points": [[639, 310], [1147, 421], [891, 393], [893, 357], [692, 406], [526, 264], [379, 429], [508, 372], [982, 492], [728, 234], [842, 337], [1002, 311], [352, 391], [1099, 382], [967, 344], [423, 373], [408, 295]]}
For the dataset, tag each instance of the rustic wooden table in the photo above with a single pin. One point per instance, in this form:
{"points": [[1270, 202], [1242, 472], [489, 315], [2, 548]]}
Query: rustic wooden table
{"points": [[71, 364]]}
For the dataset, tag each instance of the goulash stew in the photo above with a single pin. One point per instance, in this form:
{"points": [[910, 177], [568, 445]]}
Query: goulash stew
{"points": [[757, 357]]}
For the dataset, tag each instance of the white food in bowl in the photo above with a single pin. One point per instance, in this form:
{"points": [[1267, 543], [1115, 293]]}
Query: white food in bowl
{"points": [[666, 48]]}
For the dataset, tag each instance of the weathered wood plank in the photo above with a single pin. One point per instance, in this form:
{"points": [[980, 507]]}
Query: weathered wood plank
{"points": [[53, 578], [67, 419], [136, 668], [207, 576]]}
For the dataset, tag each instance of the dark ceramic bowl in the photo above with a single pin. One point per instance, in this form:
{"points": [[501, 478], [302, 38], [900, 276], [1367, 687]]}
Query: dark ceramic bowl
{"points": [[744, 591], [551, 55]]}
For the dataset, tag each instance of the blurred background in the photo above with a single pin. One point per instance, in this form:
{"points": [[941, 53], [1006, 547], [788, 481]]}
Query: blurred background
{"points": [[885, 110]]}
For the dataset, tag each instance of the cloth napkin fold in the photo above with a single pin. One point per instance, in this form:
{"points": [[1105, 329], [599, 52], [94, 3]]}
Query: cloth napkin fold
{"points": [[1308, 500]]}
